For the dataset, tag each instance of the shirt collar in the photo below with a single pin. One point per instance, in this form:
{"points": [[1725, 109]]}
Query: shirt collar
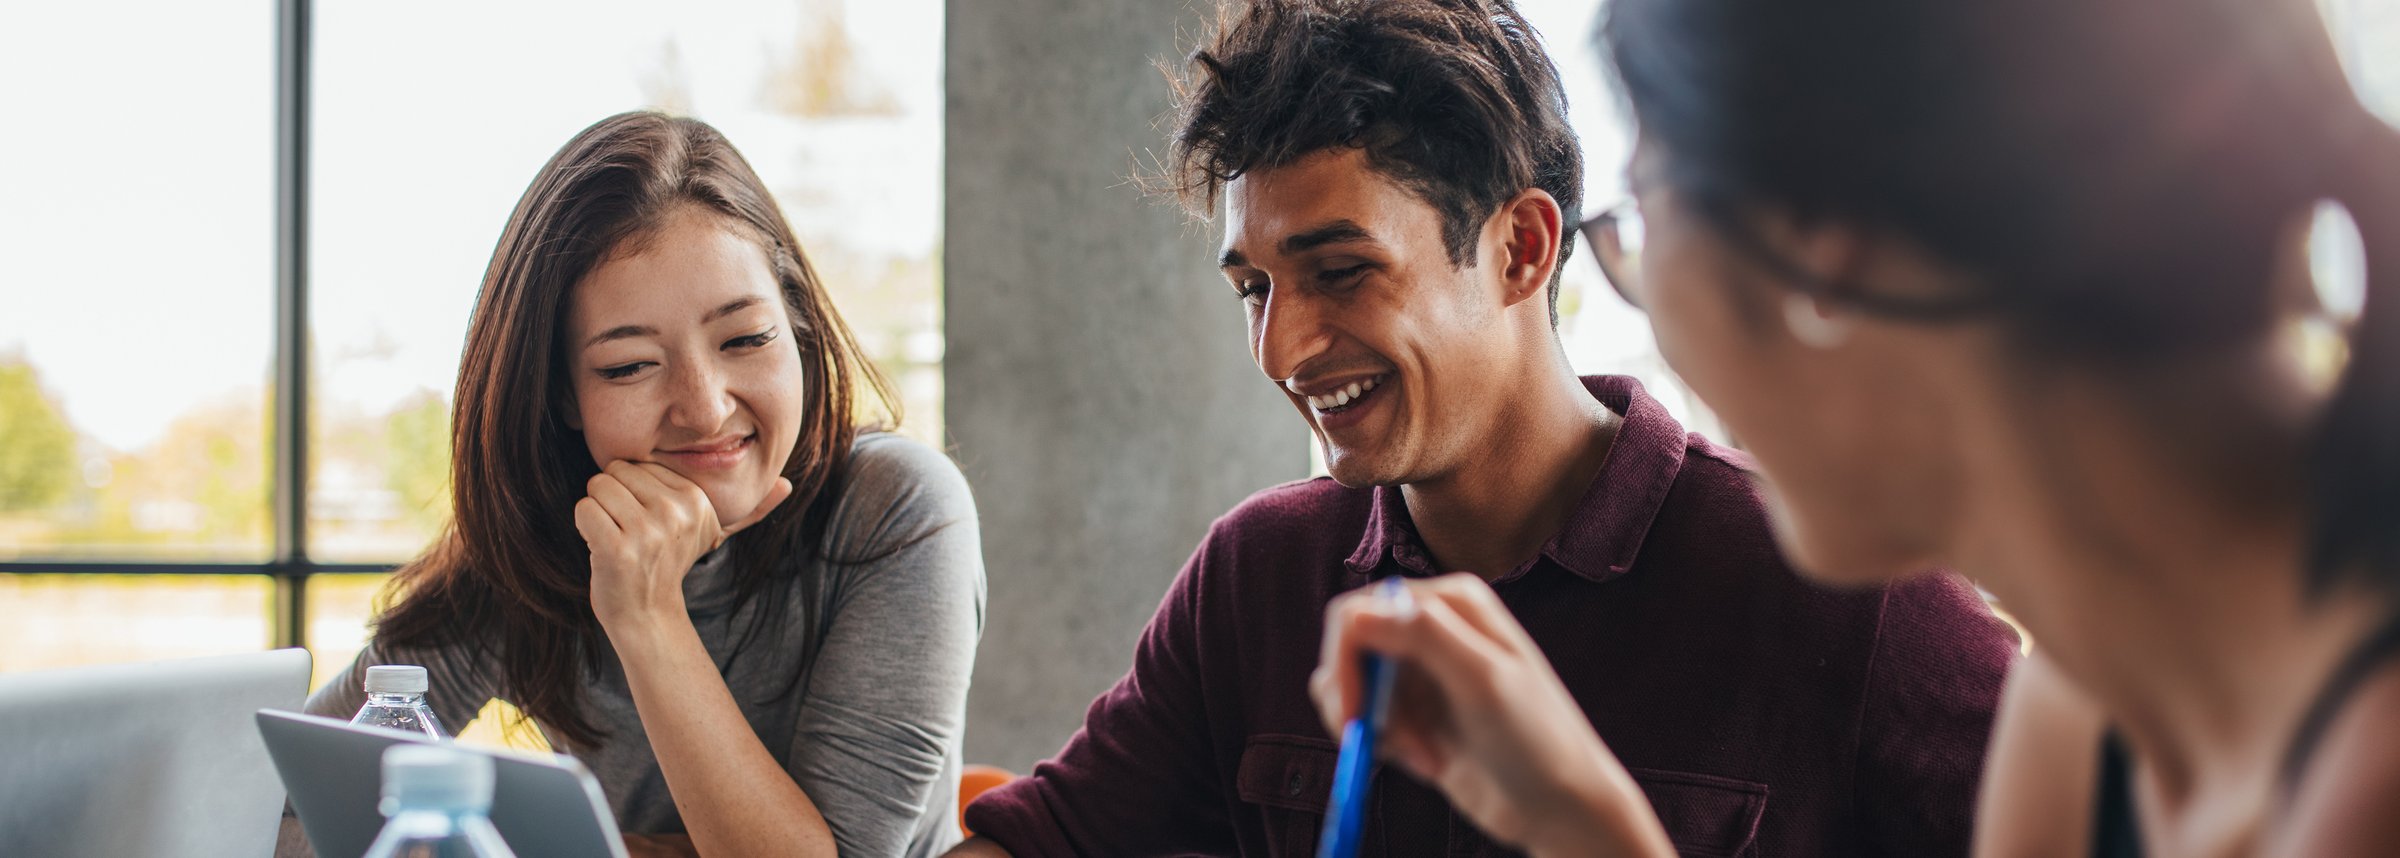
{"points": [[1605, 530]]}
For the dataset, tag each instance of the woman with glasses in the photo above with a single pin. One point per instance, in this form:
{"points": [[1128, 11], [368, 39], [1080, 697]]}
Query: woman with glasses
{"points": [[2020, 287]]}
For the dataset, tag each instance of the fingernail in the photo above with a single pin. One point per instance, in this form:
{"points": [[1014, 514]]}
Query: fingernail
{"points": [[1393, 599]]}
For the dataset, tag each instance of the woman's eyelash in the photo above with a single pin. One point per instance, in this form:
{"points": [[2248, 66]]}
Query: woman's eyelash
{"points": [[1248, 291], [752, 341]]}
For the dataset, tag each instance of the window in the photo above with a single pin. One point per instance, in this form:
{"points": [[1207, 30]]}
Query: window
{"points": [[139, 352], [138, 264]]}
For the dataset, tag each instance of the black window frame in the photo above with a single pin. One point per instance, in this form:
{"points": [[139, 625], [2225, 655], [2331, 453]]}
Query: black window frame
{"points": [[288, 564]]}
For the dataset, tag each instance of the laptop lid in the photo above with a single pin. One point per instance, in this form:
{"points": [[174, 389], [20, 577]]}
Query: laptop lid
{"points": [[544, 805], [151, 758]]}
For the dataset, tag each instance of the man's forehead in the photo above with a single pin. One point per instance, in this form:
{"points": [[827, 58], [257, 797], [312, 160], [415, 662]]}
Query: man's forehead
{"points": [[1263, 208]]}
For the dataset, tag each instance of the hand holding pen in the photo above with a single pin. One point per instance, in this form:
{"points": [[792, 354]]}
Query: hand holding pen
{"points": [[1476, 711]]}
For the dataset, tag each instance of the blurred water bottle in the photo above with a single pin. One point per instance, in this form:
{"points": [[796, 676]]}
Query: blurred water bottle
{"points": [[396, 699], [437, 803]]}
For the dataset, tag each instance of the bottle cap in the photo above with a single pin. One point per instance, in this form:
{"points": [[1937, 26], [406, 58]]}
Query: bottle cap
{"points": [[437, 777], [396, 679]]}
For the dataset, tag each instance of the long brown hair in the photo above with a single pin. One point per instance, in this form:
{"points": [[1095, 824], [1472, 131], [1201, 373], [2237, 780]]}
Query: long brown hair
{"points": [[509, 580]]}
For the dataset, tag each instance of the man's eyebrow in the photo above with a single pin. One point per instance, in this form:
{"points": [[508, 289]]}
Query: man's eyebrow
{"points": [[1332, 233]]}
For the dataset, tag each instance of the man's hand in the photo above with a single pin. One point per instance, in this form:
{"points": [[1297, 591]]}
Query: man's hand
{"points": [[1479, 714], [646, 525]]}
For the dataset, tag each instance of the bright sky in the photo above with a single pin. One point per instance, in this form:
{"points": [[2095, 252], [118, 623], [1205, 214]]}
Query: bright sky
{"points": [[136, 265]]}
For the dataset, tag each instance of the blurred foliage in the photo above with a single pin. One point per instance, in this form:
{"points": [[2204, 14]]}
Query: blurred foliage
{"points": [[416, 458], [199, 492], [819, 75], [37, 448]]}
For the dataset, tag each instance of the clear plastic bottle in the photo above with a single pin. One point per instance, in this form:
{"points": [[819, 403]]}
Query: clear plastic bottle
{"points": [[437, 803], [396, 699]]}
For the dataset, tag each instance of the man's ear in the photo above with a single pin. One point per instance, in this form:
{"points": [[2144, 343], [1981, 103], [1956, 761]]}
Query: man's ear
{"points": [[1531, 227]]}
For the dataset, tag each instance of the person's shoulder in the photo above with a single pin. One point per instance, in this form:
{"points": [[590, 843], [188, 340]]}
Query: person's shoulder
{"points": [[1310, 508], [890, 457], [2341, 804], [888, 470], [1716, 465], [2038, 785], [1714, 517], [896, 490]]}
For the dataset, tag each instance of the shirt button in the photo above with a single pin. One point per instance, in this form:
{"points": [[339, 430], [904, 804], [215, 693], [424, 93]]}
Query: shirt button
{"points": [[1292, 789]]}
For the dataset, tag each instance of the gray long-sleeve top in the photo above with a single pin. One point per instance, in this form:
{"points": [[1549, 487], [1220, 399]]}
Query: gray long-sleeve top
{"points": [[872, 734]]}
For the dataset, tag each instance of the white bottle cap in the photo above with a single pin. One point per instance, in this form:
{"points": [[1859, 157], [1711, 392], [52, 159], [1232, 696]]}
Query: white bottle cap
{"points": [[438, 777], [396, 679]]}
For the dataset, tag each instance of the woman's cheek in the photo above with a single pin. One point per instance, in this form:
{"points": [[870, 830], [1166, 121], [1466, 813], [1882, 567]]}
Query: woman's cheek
{"points": [[609, 430], [1688, 330]]}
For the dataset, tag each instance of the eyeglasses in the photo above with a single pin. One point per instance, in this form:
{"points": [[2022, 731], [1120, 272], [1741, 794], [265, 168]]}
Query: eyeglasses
{"points": [[1616, 233], [1615, 236]]}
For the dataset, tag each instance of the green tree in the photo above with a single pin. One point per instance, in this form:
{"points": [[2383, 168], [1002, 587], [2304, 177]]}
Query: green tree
{"points": [[37, 447], [820, 75], [417, 434]]}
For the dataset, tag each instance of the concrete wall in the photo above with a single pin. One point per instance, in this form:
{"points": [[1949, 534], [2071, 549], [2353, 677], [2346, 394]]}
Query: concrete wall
{"points": [[1100, 393]]}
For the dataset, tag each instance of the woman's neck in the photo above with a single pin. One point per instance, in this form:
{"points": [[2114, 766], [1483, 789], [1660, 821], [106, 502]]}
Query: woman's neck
{"points": [[2175, 603]]}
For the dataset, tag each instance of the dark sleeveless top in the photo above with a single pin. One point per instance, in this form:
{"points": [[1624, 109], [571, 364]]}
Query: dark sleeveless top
{"points": [[2116, 828]]}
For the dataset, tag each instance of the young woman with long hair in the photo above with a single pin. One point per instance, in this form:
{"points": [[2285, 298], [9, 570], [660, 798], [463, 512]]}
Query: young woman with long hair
{"points": [[2017, 287], [678, 545]]}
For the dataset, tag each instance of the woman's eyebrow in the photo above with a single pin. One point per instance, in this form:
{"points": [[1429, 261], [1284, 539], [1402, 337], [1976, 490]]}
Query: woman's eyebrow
{"points": [[731, 307], [621, 332], [627, 331]]}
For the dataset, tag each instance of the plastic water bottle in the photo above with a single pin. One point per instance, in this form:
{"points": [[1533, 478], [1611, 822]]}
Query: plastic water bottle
{"points": [[437, 803], [396, 699]]}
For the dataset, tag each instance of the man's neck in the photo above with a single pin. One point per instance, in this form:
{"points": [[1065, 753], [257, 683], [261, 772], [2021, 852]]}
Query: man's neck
{"points": [[1495, 512]]}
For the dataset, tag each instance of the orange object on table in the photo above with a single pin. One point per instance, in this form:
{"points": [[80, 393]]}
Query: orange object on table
{"points": [[972, 781]]}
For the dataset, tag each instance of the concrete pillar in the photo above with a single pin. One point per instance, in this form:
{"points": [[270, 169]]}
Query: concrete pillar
{"points": [[1100, 394]]}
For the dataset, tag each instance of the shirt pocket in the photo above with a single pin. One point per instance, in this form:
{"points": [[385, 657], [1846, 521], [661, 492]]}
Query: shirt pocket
{"points": [[1705, 816], [1288, 779]]}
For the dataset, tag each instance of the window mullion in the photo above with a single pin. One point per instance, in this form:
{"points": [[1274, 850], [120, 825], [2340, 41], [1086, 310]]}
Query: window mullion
{"points": [[290, 389]]}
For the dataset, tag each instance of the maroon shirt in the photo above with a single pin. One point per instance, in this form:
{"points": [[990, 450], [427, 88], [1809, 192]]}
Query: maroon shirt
{"points": [[1762, 715]]}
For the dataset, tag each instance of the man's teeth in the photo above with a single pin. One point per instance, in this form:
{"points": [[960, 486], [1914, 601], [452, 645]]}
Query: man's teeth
{"points": [[1343, 396]]}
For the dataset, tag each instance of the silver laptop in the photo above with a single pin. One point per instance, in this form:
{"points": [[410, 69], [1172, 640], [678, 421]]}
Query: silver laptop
{"points": [[154, 758], [545, 805]]}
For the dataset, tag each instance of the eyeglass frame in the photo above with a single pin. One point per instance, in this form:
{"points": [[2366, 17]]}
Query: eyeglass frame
{"points": [[1605, 233]]}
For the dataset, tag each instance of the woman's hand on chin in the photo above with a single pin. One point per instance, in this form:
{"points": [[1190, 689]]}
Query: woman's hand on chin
{"points": [[646, 525]]}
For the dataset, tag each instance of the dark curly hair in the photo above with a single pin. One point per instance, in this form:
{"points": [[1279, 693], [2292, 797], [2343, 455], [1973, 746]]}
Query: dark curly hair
{"points": [[1453, 99]]}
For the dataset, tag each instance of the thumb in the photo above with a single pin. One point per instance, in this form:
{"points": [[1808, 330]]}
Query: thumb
{"points": [[777, 493]]}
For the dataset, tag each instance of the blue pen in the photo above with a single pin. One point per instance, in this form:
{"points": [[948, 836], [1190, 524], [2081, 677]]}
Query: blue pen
{"points": [[1346, 813]]}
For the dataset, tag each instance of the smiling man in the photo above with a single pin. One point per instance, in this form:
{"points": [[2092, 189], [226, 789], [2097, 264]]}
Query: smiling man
{"points": [[1399, 185]]}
